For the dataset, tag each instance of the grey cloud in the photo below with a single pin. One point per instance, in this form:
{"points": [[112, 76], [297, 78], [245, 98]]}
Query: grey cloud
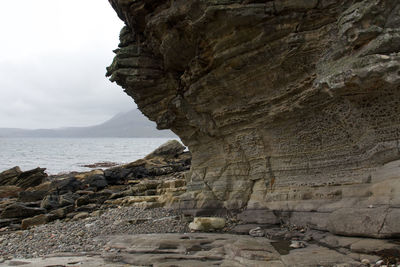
{"points": [[58, 80]]}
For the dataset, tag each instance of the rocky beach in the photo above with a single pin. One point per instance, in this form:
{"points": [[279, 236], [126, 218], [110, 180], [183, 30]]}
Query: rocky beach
{"points": [[290, 111], [131, 214]]}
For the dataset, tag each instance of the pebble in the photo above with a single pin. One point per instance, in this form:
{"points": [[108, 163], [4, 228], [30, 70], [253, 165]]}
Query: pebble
{"points": [[365, 262], [257, 232], [90, 234], [298, 244]]}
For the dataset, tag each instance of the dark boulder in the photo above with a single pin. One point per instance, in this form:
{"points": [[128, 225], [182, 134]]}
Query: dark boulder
{"points": [[50, 202], [116, 175], [21, 179], [63, 186], [31, 178], [140, 172], [60, 213], [31, 196], [97, 181], [19, 210], [9, 177], [67, 199], [34, 221]]}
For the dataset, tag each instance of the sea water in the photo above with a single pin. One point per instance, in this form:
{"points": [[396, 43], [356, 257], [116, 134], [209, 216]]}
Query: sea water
{"points": [[59, 155]]}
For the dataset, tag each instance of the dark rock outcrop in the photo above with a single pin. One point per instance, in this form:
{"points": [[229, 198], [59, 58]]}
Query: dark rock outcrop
{"points": [[155, 181], [21, 179], [289, 108]]}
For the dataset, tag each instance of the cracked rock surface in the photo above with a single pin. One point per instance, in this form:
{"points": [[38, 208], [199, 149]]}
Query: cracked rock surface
{"points": [[291, 109]]}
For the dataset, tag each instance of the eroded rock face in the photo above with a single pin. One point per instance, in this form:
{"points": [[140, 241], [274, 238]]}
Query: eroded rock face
{"points": [[291, 109]]}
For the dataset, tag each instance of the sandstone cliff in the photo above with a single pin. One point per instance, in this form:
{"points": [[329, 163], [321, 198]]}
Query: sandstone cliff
{"points": [[291, 108]]}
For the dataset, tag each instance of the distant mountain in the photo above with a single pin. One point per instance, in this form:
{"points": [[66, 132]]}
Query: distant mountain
{"points": [[129, 124]]}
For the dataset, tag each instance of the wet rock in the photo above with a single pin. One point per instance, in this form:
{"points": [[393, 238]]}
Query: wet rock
{"points": [[19, 210], [207, 224]]}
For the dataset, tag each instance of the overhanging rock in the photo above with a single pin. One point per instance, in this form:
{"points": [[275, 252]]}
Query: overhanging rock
{"points": [[291, 109]]}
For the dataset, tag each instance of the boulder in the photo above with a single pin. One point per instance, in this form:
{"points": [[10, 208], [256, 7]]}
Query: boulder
{"points": [[36, 220], [171, 148], [19, 210], [60, 213], [97, 181], [7, 191], [50, 202], [82, 200], [116, 175], [31, 178], [67, 199], [65, 185], [21, 179], [9, 177], [207, 224], [31, 196], [80, 216]]}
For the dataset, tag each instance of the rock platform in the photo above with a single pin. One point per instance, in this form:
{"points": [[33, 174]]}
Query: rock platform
{"points": [[210, 249]]}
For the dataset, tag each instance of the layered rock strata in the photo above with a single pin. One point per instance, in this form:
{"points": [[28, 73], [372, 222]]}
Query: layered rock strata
{"points": [[291, 109]]}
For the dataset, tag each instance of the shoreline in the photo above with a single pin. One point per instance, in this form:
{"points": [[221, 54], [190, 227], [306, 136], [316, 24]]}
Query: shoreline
{"points": [[113, 216]]}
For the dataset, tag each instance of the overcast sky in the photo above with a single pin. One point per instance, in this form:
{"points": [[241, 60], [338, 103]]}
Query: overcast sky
{"points": [[53, 55]]}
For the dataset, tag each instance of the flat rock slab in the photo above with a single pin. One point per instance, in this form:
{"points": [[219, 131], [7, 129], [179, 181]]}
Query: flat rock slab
{"points": [[95, 261], [316, 256], [195, 249], [209, 249]]}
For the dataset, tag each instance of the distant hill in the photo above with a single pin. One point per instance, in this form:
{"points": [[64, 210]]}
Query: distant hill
{"points": [[129, 124]]}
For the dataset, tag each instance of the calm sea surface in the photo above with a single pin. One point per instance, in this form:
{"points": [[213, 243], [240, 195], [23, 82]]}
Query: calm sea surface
{"points": [[68, 154]]}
